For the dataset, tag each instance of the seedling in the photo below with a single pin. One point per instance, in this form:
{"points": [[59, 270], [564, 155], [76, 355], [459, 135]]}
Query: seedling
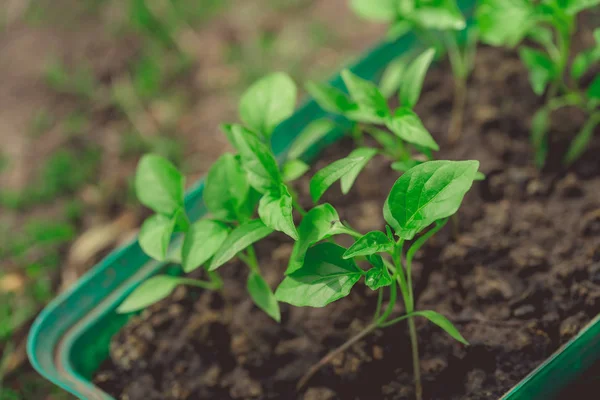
{"points": [[367, 106], [236, 185], [550, 25], [322, 272], [436, 22]]}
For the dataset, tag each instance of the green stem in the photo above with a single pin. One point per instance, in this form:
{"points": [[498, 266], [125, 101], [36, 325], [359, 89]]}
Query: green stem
{"points": [[199, 283], [251, 260], [414, 344], [416, 246], [215, 278], [379, 302], [298, 207]]}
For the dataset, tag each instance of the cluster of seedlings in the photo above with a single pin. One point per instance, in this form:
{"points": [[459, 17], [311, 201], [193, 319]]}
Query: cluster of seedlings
{"points": [[248, 194]]}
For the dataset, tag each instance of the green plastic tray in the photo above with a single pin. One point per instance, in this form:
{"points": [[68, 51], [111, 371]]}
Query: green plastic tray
{"points": [[70, 337]]}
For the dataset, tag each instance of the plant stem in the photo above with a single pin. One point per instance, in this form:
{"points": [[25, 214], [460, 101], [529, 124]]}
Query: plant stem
{"points": [[458, 109], [413, 250], [298, 207], [460, 70], [251, 260], [414, 344], [370, 328], [331, 355], [379, 302]]}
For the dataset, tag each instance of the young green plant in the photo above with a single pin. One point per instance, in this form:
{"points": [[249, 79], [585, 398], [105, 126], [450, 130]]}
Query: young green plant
{"points": [[236, 186], [320, 272], [366, 107], [438, 23], [550, 25]]}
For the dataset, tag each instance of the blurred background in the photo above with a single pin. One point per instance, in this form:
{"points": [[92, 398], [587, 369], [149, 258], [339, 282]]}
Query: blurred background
{"points": [[87, 87]]}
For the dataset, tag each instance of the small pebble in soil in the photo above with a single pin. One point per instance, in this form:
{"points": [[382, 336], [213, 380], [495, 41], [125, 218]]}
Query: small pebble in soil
{"points": [[319, 393], [524, 311], [529, 259], [569, 186]]}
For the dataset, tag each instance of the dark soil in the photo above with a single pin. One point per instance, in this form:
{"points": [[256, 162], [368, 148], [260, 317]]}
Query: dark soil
{"points": [[521, 277]]}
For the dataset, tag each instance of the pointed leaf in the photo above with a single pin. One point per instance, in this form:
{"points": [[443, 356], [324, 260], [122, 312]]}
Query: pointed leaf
{"points": [[540, 66], [412, 82], [405, 165], [408, 126], [370, 243], [593, 91], [268, 102], [504, 22], [439, 14], [323, 179], [323, 278], [257, 160], [378, 276], [226, 188], [240, 238], [330, 99], [428, 192], [365, 94], [276, 211], [443, 323], [583, 138], [293, 169], [318, 224], [366, 154], [311, 135], [149, 292], [263, 297], [155, 236], [159, 185], [392, 77], [201, 242], [375, 10]]}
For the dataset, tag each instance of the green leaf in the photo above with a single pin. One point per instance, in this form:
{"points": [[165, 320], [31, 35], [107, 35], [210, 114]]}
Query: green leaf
{"points": [[593, 91], [263, 297], [443, 323], [159, 185], [385, 139], [257, 160], [392, 77], [504, 22], [330, 99], [408, 126], [479, 176], [293, 169], [366, 95], [240, 238], [366, 154], [319, 223], [268, 102], [582, 140], [540, 124], [438, 14], [149, 292], [430, 191], [375, 10], [576, 6], [378, 276], [540, 66], [155, 236], [201, 242], [311, 135], [226, 188], [276, 211], [370, 243], [323, 278], [323, 179], [412, 82], [584, 60]]}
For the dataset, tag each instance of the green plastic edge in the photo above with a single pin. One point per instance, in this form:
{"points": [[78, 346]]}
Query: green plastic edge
{"points": [[69, 338]]}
